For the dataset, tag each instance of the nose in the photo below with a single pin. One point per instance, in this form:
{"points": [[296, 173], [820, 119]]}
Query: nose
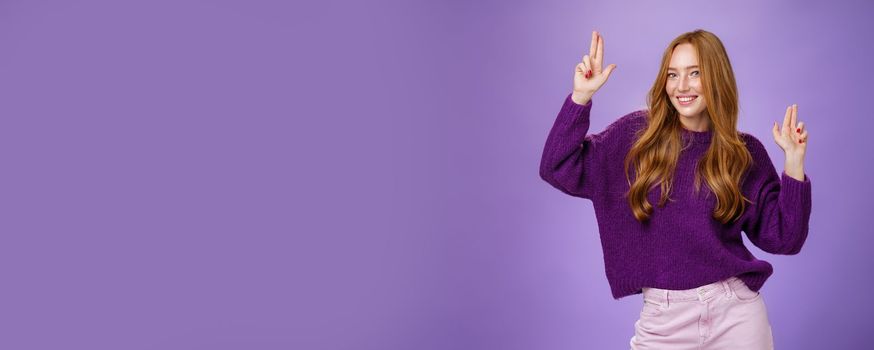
{"points": [[684, 84]]}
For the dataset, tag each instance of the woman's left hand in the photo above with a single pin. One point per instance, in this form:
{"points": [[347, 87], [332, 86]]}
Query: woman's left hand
{"points": [[791, 137]]}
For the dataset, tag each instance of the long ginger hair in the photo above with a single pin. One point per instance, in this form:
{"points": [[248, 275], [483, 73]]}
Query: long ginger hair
{"points": [[655, 153]]}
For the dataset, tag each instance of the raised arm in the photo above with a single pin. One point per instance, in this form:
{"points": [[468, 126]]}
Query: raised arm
{"points": [[569, 155], [778, 220]]}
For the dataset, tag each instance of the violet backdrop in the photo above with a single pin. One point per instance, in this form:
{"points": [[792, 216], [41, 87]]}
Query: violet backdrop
{"points": [[364, 175]]}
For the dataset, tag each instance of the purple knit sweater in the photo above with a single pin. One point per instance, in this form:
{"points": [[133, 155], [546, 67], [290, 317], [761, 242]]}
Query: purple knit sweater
{"points": [[681, 246]]}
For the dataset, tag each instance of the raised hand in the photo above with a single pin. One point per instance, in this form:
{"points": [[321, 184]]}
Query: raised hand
{"points": [[588, 74], [792, 138]]}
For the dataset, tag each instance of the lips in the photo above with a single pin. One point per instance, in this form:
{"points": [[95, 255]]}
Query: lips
{"points": [[686, 100]]}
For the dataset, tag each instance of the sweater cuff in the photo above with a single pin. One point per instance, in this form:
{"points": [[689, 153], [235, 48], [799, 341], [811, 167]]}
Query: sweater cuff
{"points": [[793, 185], [575, 108]]}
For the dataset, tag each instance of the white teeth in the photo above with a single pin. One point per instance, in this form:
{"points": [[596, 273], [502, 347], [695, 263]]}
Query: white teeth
{"points": [[687, 99]]}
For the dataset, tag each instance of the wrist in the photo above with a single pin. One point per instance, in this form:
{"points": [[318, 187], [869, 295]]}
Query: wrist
{"points": [[794, 158], [581, 98], [794, 168]]}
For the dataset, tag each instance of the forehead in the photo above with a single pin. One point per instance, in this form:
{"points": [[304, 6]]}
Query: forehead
{"points": [[684, 55]]}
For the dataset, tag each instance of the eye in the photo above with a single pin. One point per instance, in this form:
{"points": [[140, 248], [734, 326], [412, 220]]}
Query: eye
{"points": [[670, 75], [698, 73]]}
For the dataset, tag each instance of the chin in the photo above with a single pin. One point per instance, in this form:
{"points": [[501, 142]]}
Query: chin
{"points": [[685, 112], [684, 115]]}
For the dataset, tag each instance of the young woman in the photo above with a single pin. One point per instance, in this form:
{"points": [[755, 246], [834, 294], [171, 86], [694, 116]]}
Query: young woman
{"points": [[673, 186]]}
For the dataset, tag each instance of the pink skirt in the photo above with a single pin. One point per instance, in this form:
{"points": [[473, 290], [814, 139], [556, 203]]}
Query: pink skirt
{"points": [[721, 315]]}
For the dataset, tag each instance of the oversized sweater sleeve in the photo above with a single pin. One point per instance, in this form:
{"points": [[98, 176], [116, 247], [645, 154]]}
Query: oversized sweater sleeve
{"points": [[571, 160], [777, 221]]}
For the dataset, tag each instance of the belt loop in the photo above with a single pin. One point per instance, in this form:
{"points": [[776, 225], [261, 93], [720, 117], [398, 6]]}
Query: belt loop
{"points": [[667, 299], [727, 286]]}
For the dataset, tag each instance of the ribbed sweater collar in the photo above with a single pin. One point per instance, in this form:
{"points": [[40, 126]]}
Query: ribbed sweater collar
{"points": [[701, 137]]}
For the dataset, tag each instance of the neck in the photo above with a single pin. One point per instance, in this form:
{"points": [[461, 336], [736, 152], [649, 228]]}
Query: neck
{"points": [[698, 123]]}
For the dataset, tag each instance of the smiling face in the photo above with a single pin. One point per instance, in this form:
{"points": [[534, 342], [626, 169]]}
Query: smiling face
{"points": [[684, 84]]}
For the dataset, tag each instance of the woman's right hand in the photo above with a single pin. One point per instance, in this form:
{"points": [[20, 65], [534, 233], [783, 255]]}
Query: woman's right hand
{"points": [[589, 75]]}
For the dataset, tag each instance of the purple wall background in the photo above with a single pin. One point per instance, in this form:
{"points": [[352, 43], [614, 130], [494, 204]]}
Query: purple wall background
{"points": [[265, 175]]}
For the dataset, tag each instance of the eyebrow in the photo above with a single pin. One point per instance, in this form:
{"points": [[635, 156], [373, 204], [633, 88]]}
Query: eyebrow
{"points": [[689, 67]]}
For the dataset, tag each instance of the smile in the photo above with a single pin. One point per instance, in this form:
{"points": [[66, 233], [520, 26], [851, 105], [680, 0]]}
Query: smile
{"points": [[686, 100]]}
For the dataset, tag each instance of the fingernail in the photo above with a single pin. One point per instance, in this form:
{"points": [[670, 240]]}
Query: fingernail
{"points": [[800, 141], [798, 130]]}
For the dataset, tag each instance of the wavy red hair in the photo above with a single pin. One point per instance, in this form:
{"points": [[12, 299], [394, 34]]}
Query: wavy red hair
{"points": [[657, 147]]}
